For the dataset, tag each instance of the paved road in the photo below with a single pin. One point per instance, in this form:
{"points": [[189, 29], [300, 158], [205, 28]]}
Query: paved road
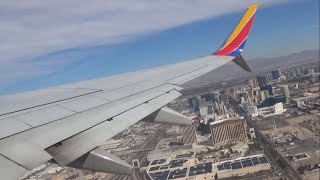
{"points": [[268, 147]]}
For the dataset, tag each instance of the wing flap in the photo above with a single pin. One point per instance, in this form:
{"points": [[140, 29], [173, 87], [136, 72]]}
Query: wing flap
{"points": [[126, 91], [73, 147], [26, 154], [10, 170], [43, 116], [84, 104], [12, 126], [29, 101]]}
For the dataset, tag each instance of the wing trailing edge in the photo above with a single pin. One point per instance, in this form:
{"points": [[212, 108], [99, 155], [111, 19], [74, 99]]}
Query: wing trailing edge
{"points": [[168, 116]]}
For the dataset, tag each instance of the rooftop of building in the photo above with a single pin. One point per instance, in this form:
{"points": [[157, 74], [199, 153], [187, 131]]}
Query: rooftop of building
{"points": [[181, 168], [227, 119]]}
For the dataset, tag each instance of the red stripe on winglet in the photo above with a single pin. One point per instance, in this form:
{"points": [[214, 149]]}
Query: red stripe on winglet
{"points": [[237, 41]]}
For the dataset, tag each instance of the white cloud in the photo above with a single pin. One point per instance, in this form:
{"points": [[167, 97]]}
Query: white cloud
{"points": [[33, 28]]}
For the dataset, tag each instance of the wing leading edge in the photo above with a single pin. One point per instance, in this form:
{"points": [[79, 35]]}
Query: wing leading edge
{"points": [[51, 124]]}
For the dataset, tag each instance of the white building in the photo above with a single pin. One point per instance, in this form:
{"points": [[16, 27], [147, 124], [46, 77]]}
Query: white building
{"points": [[252, 133], [310, 71], [204, 111], [278, 108], [252, 111], [286, 92], [272, 110]]}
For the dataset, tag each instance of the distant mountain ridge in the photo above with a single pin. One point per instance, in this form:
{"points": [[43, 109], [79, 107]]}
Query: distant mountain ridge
{"points": [[293, 58], [258, 66]]}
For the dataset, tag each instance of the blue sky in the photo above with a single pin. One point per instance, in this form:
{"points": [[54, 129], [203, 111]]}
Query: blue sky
{"points": [[45, 47]]}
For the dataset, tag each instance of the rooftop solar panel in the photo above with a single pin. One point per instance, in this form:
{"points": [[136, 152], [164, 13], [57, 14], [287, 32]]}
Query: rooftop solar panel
{"points": [[160, 175], [263, 160], [236, 165], [228, 166], [154, 168], [220, 167], [161, 161], [243, 163], [255, 161], [247, 163], [177, 163], [154, 162], [179, 173], [200, 169], [164, 167]]}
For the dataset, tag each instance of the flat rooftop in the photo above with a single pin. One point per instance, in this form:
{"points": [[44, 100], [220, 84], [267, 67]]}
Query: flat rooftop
{"points": [[176, 168], [227, 119], [242, 163]]}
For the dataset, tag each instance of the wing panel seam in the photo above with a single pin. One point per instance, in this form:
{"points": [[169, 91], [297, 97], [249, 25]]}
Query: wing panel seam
{"points": [[50, 103]]}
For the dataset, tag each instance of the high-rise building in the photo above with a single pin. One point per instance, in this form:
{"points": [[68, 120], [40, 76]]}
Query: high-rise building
{"points": [[298, 72], [221, 108], [262, 80], [286, 92], [278, 108], [216, 107], [262, 96], [207, 97], [228, 131], [279, 70], [252, 111], [275, 75], [255, 84], [266, 94], [189, 134], [252, 83], [269, 78], [224, 98], [268, 88], [310, 71], [206, 110], [194, 104], [250, 93], [252, 133]]}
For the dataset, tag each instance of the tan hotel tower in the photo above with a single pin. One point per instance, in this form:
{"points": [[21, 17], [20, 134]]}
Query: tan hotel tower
{"points": [[228, 131]]}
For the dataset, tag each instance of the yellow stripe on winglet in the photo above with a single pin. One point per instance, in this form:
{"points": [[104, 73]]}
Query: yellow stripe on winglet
{"points": [[249, 13]]}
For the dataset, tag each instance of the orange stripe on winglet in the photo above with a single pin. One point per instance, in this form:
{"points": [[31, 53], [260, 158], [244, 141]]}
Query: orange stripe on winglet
{"points": [[244, 20]]}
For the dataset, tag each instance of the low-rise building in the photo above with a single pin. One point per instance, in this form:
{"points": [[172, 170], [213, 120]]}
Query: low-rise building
{"points": [[242, 166]]}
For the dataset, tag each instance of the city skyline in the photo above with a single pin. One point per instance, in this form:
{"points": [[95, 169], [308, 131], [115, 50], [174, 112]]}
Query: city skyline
{"points": [[144, 90]]}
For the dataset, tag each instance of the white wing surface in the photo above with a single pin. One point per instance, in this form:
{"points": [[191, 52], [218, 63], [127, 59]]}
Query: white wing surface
{"points": [[67, 123]]}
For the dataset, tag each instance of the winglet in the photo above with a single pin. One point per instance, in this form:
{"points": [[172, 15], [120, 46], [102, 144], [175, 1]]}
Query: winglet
{"points": [[235, 43]]}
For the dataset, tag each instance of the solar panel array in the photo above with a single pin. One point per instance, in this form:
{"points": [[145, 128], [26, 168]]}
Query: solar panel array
{"points": [[200, 169], [160, 175], [179, 173], [172, 164], [159, 161], [177, 163], [238, 164]]}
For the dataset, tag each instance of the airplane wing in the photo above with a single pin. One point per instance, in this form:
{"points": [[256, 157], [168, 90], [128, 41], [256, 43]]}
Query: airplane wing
{"points": [[67, 123]]}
